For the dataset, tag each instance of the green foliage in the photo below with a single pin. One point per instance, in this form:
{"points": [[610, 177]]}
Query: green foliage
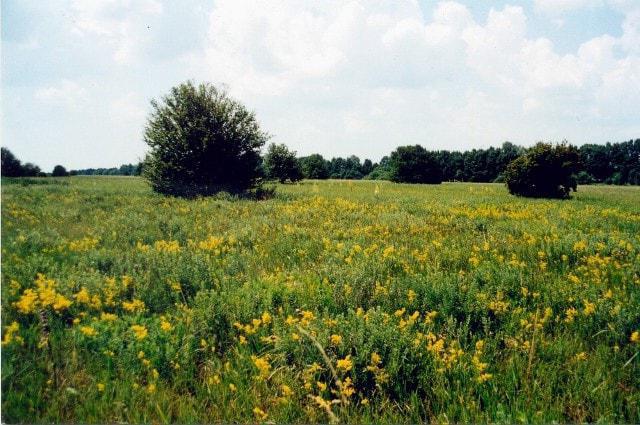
{"points": [[545, 171], [381, 171], [123, 170], [314, 167], [201, 142], [281, 164], [479, 307], [613, 163], [12, 167], [414, 164], [59, 171], [346, 168], [584, 177]]}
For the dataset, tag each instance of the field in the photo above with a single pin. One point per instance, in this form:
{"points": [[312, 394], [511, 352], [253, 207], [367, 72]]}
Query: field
{"points": [[334, 301]]}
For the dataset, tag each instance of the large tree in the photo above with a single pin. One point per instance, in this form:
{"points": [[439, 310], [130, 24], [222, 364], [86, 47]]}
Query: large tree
{"points": [[11, 166], [414, 164], [314, 167], [59, 171], [281, 164], [202, 141]]}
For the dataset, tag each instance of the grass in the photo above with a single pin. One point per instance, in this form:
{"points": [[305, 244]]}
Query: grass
{"points": [[334, 301]]}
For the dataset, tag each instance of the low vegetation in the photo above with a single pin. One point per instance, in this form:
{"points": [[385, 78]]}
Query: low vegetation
{"points": [[331, 302]]}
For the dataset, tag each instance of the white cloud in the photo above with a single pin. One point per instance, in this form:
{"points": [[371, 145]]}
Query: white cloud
{"points": [[66, 92], [129, 108], [337, 77], [333, 76], [558, 7], [120, 24]]}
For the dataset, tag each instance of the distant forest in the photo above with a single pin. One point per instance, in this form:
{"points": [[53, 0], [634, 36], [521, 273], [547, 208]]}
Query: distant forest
{"points": [[123, 170], [611, 163]]}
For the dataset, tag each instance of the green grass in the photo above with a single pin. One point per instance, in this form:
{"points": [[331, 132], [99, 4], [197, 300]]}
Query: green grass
{"points": [[448, 303]]}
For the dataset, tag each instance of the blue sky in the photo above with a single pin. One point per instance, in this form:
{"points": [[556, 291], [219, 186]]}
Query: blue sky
{"points": [[336, 77]]}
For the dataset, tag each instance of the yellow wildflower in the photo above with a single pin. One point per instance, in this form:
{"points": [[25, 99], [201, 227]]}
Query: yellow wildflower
{"points": [[61, 303], [580, 246], [483, 377], [336, 339], [134, 305], [28, 301], [286, 390], [83, 296], [570, 314], [88, 331], [589, 308], [108, 317], [262, 363], [140, 331], [259, 413], [165, 325], [411, 295], [9, 334], [345, 364]]}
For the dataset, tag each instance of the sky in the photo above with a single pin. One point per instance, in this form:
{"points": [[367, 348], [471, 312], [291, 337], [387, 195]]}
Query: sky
{"points": [[335, 77]]}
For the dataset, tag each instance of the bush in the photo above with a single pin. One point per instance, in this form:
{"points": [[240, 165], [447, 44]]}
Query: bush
{"points": [[202, 142], [584, 177], [414, 164], [545, 171], [59, 171], [281, 164]]}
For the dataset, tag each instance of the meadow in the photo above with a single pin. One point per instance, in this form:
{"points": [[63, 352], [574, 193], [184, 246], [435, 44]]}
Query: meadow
{"points": [[334, 301]]}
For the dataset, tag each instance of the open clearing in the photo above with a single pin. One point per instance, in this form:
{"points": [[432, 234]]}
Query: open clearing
{"points": [[353, 301]]}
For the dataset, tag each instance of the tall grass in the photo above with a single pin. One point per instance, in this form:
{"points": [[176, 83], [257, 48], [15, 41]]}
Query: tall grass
{"points": [[333, 301]]}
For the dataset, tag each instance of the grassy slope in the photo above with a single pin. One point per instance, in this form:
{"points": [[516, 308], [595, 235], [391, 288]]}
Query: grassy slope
{"points": [[236, 292]]}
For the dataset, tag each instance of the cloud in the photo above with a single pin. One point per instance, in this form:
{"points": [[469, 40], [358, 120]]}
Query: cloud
{"points": [[128, 107], [122, 25], [356, 72], [337, 77], [66, 92], [558, 7]]}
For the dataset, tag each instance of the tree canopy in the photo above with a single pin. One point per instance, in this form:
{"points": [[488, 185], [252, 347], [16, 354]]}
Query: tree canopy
{"points": [[414, 164], [59, 171], [281, 164], [544, 171], [201, 142]]}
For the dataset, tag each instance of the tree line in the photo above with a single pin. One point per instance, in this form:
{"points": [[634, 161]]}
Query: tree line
{"points": [[611, 163], [123, 170], [13, 167], [202, 141]]}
